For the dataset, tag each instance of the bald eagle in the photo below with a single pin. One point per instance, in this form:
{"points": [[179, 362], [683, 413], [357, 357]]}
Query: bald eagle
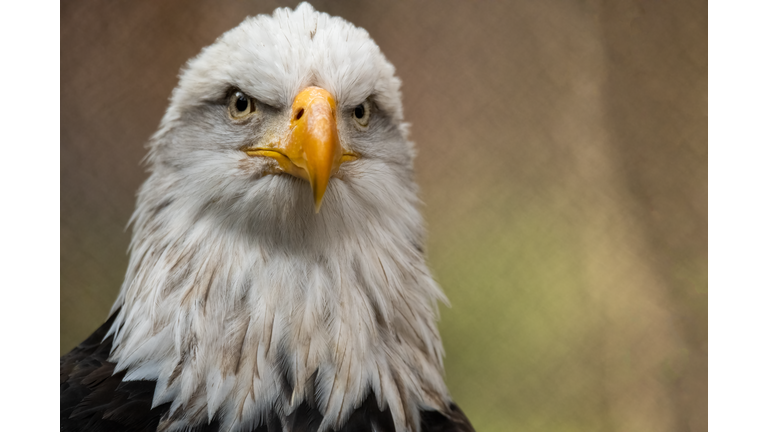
{"points": [[277, 280]]}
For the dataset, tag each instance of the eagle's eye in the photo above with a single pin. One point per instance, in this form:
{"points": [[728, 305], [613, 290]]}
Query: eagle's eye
{"points": [[362, 114], [240, 105]]}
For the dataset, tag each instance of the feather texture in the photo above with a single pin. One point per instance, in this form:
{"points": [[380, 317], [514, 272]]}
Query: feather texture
{"points": [[244, 310], [95, 398]]}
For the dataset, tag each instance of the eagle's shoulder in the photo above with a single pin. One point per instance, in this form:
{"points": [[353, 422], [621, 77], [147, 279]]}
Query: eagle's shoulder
{"points": [[94, 398], [452, 421]]}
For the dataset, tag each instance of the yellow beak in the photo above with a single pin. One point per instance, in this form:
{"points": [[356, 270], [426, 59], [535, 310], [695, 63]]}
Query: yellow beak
{"points": [[311, 150]]}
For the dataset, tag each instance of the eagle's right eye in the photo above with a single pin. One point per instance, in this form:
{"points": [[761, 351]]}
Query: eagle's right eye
{"points": [[240, 105]]}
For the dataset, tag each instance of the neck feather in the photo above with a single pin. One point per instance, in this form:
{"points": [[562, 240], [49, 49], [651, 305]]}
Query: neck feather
{"points": [[237, 321]]}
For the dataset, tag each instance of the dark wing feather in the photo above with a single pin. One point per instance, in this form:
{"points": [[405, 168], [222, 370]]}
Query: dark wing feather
{"points": [[367, 417], [453, 421], [94, 398]]}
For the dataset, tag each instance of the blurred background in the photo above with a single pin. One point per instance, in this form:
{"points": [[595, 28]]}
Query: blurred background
{"points": [[563, 169]]}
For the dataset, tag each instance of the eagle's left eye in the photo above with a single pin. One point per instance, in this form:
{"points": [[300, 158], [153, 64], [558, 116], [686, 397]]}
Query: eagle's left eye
{"points": [[240, 105], [362, 113]]}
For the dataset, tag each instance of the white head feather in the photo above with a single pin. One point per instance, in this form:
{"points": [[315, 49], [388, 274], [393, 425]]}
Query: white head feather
{"points": [[240, 300]]}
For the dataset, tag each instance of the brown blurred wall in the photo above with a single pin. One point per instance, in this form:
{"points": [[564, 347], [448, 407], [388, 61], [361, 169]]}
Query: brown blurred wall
{"points": [[563, 165]]}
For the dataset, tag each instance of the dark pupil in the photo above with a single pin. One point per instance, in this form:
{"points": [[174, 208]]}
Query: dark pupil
{"points": [[359, 111], [242, 103]]}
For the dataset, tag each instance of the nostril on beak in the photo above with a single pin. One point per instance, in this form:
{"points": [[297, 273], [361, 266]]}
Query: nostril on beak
{"points": [[299, 113]]}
